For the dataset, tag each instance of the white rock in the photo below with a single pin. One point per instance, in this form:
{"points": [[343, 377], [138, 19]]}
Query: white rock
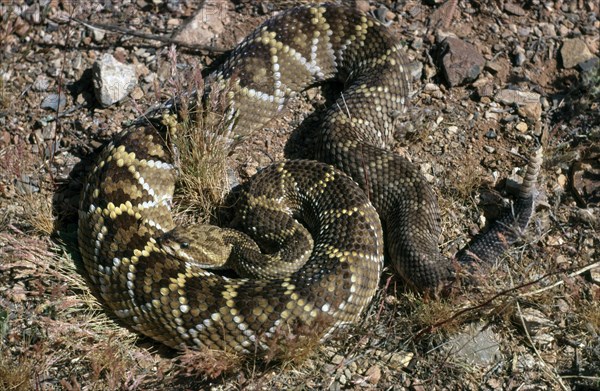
{"points": [[509, 97], [112, 80]]}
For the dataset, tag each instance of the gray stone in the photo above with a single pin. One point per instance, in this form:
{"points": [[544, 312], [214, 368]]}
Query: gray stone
{"points": [[574, 51], [589, 65], [514, 9], [41, 83], [54, 102], [510, 97], [207, 24], [461, 61], [491, 134], [478, 345], [112, 80], [538, 325]]}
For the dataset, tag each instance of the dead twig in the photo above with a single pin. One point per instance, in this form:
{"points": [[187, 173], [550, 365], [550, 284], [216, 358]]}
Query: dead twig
{"points": [[153, 37]]}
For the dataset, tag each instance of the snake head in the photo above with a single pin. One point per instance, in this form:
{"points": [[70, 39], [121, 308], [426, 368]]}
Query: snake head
{"points": [[199, 245]]}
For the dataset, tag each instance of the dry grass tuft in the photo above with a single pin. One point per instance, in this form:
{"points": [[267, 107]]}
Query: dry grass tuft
{"points": [[208, 363], [37, 213], [295, 343], [203, 140], [15, 375], [4, 99]]}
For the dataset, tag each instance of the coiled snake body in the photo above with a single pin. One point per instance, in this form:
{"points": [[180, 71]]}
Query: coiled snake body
{"points": [[125, 224]]}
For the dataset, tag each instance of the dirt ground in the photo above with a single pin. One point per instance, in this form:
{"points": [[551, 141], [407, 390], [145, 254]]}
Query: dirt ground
{"points": [[534, 323]]}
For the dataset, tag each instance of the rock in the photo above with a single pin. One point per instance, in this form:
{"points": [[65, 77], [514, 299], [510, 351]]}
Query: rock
{"points": [[461, 62], [531, 111], [514, 9], [54, 102], [589, 65], [337, 359], [98, 35], [416, 70], [586, 216], [112, 80], [25, 184], [373, 375], [396, 360], [207, 24], [137, 93], [521, 127], [485, 90], [595, 275], [537, 323], [574, 51], [585, 180], [520, 59], [562, 180], [510, 97], [491, 134], [475, 346], [41, 83]]}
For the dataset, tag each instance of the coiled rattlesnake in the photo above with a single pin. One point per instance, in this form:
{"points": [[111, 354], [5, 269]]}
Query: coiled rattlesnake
{"points": [[143, 269]]}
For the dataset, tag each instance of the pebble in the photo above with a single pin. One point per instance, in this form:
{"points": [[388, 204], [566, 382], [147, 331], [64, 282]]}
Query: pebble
{"points": [[112, 80], [514, 9], [98, 35], [54, 102], [562, 180], [537, 324], [521, 127], [491, 134], [485, 90], [589, 65], [489, 149], [41, 83], [531, 111], [337, 359], [373, 374], [26, 185], [417, 43], [490, 115], [137, 93], [510, 97], [520, 59]]}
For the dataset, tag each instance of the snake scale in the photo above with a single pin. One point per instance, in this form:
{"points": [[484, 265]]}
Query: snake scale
{"points": [[144, 266]]}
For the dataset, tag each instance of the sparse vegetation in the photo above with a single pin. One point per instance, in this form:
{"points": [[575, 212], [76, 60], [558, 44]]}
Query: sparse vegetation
{"points": [[55, 334], [203, 141]]}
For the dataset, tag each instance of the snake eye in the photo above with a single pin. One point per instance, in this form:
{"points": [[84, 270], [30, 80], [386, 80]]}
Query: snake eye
{"points": [[184, 245]]}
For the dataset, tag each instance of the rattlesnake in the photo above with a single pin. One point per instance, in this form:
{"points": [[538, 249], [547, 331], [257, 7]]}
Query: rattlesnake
{"points": [[143, 268]]}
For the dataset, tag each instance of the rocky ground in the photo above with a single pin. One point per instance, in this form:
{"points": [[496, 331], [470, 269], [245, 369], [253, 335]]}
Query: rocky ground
{"points": [[492, 80]]}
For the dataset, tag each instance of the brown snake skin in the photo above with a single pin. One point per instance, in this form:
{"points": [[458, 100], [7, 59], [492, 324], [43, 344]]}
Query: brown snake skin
{"points": [[125, 216]]}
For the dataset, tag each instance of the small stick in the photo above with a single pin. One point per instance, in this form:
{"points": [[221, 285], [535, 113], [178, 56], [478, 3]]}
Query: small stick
{"points": [[160, 38]]}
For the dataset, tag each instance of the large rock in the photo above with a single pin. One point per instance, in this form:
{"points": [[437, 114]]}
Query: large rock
{"points": [[112, 80], [461, 61], [574, 51], [208, 24]]}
